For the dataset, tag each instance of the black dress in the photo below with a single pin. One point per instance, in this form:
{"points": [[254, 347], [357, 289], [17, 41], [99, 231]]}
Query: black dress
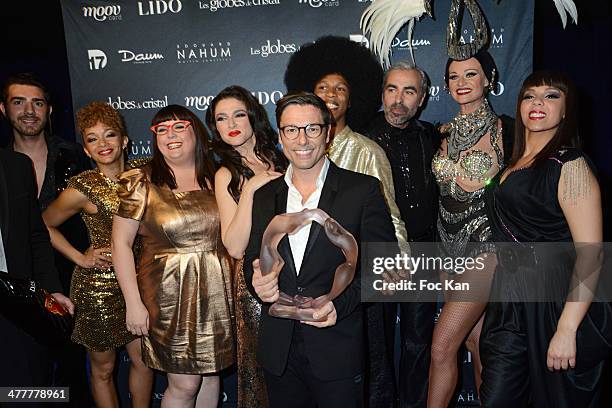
{"points": [[516, 335]]}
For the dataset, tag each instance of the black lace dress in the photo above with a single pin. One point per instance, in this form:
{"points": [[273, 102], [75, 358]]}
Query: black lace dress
{"points": [[516, 334]]}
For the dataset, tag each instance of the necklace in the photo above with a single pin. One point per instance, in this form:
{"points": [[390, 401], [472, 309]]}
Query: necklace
{"points": [[466, 130]]}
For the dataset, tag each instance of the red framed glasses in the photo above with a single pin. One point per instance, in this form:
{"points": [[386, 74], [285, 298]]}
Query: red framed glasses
{"points": [[162, 129]]}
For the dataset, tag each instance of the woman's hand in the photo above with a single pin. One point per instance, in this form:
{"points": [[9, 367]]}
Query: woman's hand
{"points": [[96, 258], [562, 350], [261, 179], [137, 319]]}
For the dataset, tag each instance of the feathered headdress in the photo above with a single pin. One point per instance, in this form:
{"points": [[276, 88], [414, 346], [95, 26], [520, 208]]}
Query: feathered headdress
{"points": [[383, 19]]}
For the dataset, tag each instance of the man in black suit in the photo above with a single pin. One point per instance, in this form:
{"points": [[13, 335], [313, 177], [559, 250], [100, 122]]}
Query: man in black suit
{"points": [[27, 253], [319, 363]]}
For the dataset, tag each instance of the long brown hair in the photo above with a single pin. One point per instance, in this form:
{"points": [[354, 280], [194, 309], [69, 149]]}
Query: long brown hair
{"points": [[567, 132], [265, 139], [161, 173]]}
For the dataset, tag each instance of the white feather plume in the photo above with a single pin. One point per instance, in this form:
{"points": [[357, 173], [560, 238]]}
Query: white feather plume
{"points": [[565, 7], [384, 18]]}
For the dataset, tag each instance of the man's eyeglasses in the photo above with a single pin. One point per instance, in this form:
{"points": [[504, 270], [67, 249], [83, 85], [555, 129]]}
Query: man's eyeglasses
{"points": [[162, 129], [311, 131]]}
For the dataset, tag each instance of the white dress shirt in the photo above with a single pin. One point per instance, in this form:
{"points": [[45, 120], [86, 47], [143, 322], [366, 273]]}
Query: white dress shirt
{"points": [[3, 266], [299, 240]]}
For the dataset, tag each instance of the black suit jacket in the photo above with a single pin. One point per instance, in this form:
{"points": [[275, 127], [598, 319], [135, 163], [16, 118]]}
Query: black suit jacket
{"points": [[356, 202], [26, 240]]}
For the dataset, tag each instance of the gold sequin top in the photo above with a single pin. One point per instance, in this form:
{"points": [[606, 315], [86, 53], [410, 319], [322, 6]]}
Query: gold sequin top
{"points": [[102, 192]]}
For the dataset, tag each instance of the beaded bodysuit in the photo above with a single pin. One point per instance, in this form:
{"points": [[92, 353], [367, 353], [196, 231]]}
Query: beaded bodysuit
{"points": [[471, 161]]}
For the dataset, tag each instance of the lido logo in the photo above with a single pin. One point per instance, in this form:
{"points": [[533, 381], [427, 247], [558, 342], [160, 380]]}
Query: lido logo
{"points": [[97, 59], [151, 7]]}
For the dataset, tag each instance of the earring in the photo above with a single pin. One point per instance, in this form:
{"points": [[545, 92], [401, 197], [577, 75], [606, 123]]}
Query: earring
{"points": [[492, 82]]}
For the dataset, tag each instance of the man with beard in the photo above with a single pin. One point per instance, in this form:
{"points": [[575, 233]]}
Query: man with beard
{"points": [[26, 105], [410, 145]]}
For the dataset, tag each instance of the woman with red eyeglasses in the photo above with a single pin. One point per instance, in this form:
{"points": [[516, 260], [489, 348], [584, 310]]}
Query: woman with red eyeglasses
{"points": [[180, 300]]}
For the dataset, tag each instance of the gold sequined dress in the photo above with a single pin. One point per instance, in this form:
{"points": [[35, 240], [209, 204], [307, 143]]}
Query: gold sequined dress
{"points": [[183, 274], [99, 307], [251, 384]]}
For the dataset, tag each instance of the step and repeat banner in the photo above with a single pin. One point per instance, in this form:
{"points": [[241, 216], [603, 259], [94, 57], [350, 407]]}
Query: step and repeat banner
{"points": [[139, 56]]}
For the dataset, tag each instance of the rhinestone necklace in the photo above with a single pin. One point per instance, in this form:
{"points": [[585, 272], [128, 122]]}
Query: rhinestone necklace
{"points": [[466, 130]]}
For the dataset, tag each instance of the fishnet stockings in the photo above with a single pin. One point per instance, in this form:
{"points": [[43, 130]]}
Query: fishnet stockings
{"points": [[459, 321]]}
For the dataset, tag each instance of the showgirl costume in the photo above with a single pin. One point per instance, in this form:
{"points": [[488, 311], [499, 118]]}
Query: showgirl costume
{"points": [[462, 217]]}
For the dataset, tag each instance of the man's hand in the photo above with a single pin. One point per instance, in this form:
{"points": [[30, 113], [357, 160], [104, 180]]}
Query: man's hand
{"points": [[64, 301], [266, 287], [326, 312]]}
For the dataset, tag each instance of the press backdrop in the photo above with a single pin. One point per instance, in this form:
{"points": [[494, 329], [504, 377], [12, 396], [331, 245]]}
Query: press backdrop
{"points": [[139, 56]]}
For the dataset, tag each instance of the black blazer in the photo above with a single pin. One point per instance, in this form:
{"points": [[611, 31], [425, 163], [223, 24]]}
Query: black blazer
{"points": [[356, 202], [25, 237]]}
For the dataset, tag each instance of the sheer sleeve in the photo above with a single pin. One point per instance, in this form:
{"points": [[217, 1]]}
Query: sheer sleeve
{"points": [[132, 192]]}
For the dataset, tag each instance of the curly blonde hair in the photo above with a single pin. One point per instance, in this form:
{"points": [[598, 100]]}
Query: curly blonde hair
{"points": [[94, 112]]}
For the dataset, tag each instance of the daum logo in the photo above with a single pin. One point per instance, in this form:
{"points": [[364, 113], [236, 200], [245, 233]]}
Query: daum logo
{"points": [[319, 3], [274, 47], [103, 13], [214, 5], [203, 52], [399, 43], [97, 59], [396, 43], [151, 7], [139, 58]]}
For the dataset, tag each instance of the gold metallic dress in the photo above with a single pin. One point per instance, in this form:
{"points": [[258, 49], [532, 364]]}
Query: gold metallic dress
{"points": [[99, 307], [251, 385], [184, 276]]}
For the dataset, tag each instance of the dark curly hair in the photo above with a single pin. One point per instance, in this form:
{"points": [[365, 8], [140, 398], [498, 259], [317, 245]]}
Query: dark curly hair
{"points": [[339, 55], [94, 112], [265, 139]]}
